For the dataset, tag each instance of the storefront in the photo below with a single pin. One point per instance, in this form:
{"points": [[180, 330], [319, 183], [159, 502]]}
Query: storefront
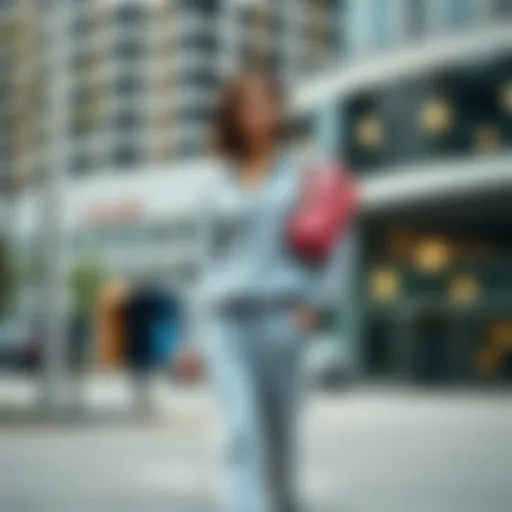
{"points": [[437, 295], [123, 230]]}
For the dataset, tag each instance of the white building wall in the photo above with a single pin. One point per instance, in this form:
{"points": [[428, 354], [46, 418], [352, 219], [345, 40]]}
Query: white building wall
{"points": [[104, 207]]}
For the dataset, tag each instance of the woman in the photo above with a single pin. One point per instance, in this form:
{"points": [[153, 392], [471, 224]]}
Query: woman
{"points": [[259, 300]]}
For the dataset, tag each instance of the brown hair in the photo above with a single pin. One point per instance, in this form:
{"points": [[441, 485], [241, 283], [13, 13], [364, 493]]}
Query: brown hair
{"points": [[228, 141]]}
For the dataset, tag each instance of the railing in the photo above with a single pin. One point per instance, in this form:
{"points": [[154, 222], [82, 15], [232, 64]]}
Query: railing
{"points": [[374, 26]]}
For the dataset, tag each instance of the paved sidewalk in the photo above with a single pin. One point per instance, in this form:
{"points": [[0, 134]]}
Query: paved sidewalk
{"points": [[370, 449], [105, 397]]}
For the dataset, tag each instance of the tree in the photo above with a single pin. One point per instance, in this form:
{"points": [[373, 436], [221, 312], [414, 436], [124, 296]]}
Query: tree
{"points": [[85, 280]]}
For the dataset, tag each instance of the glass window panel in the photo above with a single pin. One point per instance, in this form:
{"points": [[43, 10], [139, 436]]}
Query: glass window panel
{"points": [[462, 11], [417, 17], [130, 14], [127, 155]]}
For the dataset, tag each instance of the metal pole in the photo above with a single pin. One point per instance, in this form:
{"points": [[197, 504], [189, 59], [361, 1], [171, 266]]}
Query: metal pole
{"points": [[54, 373]]}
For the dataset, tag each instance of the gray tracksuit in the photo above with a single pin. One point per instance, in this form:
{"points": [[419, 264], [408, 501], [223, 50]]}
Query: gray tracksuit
{"points": [[249, 285]]}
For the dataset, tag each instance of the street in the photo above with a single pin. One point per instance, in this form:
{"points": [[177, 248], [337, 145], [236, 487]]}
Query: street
{"points": [[365, 450]]}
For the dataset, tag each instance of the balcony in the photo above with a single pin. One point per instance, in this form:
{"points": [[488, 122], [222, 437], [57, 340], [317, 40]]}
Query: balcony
{"points": [[404, 61], [377, 27]]}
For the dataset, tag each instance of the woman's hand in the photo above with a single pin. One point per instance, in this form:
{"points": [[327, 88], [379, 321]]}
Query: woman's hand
{"points": [[306, 318]]}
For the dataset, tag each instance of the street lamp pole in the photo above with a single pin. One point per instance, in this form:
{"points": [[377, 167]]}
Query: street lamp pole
{"points": [[54, 388]]}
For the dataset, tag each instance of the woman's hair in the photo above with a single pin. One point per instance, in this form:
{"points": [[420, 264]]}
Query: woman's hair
{"points": [[228, 140]]}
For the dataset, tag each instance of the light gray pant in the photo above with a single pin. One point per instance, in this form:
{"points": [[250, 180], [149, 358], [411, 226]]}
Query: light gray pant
{"points": [[255, 362]]}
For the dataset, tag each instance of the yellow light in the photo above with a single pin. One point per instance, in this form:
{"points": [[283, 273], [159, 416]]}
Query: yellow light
{"points": [[464, 288], [506, 97], [370, 132], [487, 139], [432, 255], [385, 285], [436, 116], [487, 361], [501, 334]]}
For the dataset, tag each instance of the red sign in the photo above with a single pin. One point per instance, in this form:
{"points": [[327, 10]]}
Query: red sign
{"points": [[115, 212]]}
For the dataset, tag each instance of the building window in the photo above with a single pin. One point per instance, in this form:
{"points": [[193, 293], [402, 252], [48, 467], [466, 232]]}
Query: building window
{"points": [[6, 5], [129, 84], [506, 97], [82, 26], [503, 7], [262, 57], [81, 95], [366, 142], [451, 113], [81, 60], [190, 149], [382, 21], [126, 120], [432, 256], [85, 118], [194, 41], [129, 49], [461, 12], [417, 17], [486, 139], [464, 288], [206, 6], [163, 119], [436, 116], [204, 79], [6, 90], [5, 151], [385, 285], [127, 155], [81, 163], [130, 15], [369, 130], [195, 114], [165, 152]]}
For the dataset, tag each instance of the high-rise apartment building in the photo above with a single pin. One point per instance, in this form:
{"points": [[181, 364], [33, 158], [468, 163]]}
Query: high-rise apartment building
{"points": [[293, 38], [19, 88], [19, 100], [142, 76], [129, 88]]}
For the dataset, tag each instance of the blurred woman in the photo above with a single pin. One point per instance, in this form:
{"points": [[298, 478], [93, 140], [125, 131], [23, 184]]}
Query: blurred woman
{"points": [[258, 300]]}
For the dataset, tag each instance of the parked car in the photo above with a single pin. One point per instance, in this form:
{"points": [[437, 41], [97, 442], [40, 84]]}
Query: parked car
{"points": [[20, 345]]}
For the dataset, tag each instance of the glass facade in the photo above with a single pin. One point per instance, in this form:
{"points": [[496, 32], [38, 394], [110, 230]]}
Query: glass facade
{"points": [[452, 112], [430, 292], [461, 12], [434, 291], [373, 26]]}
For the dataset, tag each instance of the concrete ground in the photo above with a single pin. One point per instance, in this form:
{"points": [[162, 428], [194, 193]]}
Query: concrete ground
{"points": [[365, 450]]}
